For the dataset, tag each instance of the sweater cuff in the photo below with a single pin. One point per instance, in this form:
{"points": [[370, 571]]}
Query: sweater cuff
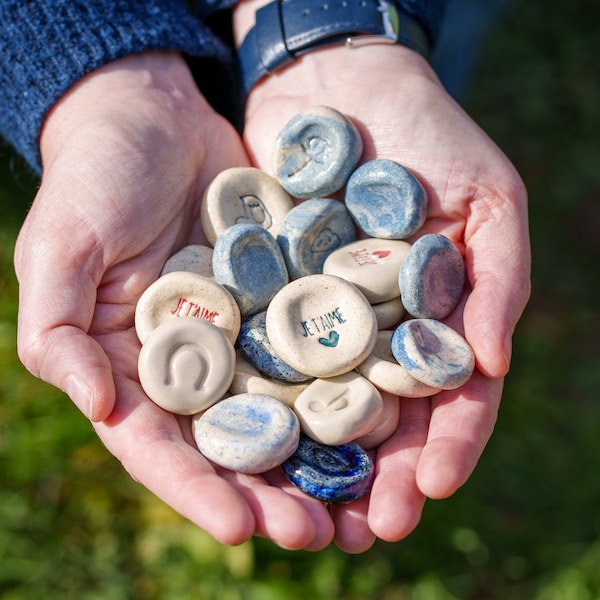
{"points": [[47, 46], [429, 13]]}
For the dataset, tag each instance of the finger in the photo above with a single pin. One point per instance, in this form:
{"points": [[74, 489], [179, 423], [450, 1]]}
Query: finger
{"points": [[352, 532], [396, 500], [461, 424]]}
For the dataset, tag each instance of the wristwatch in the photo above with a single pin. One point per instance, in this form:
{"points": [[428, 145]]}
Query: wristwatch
{"points": [[286, 29]]}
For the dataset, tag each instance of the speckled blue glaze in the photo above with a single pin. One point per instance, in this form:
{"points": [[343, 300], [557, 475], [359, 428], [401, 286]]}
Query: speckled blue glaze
{"points": [[311, 231], [431, 277], [433, 353], [315, 153], [254, 344], [248, 262], [386, 200], [330, 473]]}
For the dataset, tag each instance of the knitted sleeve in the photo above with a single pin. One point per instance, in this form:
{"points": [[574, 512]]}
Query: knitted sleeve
{"points": [[48, 45]]}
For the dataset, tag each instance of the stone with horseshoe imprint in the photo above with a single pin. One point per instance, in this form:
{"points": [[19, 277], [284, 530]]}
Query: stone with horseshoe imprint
{"points": [[186, 365]]}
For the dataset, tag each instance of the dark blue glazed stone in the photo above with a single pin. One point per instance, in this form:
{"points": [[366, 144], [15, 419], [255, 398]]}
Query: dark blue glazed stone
{"points": [[432, 277], [254, 344], [386, 200], [248, 262], [330, 473], [311, 231]]}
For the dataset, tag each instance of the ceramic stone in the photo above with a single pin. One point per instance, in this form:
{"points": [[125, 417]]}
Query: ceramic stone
{"points": [[432, 277], [243, 195], [372, 265], [315, 153], [336, 474], [182, 294], [247, 433], [388, 314], [254, 344], [311, 231], [386, 200], [384, 372], [186, 365], [247, 261], [388, 422], [321, 325], [433, 353], [338, 409], [195, 258]]}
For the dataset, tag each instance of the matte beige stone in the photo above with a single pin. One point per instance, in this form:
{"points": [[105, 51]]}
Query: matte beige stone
{"points": [[195, 258], [388, 422]]}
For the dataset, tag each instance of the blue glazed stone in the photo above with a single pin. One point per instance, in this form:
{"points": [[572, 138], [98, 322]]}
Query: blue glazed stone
{"points": [[432, 277], [315, 153], [386, 200], [311, 231], [247, 261], [330, 473], [433, 353], [255, 346]]}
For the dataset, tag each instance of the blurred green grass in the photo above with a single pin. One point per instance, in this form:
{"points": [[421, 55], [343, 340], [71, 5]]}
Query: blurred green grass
{"points": [[527, 524]]}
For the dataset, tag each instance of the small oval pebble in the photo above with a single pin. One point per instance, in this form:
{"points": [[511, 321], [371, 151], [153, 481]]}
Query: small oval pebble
{"points": [[311, 232], [195, 258], [247, 261], [384, 372], [185, 294], [372, 265], [339, 409], [315, 152], [186, 365], [330, 473], [243, 195], [433, 353], [432, 277], [247, 433], [388, 314], [388, 422], [321, 325], [386, 200], [254, 343]]}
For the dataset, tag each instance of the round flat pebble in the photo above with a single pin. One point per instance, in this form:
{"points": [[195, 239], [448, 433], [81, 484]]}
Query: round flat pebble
{"points": [[321, 325], [248, 262], [432, 277], [315, 152], [248, 379], [338, 409], [337, 474], [311, 231], [247, 433], [388, 422], [195, 258], [386, 200], [185, 294], [254, 344], [186, 365], [384, 372], [388, 314], [433, 353], [243, 195], [372, 265]]}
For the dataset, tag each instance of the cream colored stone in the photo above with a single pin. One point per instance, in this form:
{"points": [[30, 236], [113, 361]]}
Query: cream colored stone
{"points": [[184, 294], [389, 314], [383, 371], [388, 422], [321, 325], [186, 365], [195, 258], [339, 409], [243, 195], [371, 264]]}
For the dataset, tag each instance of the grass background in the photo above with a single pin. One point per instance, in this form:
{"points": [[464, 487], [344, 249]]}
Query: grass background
{"points": [[527, 524]]}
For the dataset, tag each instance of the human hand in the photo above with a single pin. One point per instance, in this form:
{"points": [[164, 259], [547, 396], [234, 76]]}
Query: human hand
{"points": [[476, 198], [127, 154]]}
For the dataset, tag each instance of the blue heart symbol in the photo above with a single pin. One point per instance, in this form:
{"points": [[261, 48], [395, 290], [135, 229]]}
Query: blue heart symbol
{"points": [[331, 341]]}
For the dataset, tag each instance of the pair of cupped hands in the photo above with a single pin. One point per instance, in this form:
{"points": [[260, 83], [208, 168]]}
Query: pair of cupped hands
{"points": [[127, 154]]}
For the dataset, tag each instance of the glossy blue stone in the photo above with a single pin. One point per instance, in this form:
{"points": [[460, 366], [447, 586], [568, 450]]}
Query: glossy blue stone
{"points": [[431, 277], [254, 344], [248, 262], [330, 473], [311, 231], [386, 200]]}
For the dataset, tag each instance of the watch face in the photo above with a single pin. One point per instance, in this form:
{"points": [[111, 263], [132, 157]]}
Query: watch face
{"points": [[390, 17]]}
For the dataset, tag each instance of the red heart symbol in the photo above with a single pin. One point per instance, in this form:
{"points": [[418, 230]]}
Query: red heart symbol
{"points": [[382, 253]]}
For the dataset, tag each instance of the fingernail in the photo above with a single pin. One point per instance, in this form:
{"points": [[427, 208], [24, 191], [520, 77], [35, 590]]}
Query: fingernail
{"points": [[81, 395]]}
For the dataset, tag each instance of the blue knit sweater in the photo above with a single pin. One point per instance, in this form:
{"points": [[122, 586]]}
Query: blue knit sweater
{"points": [[48, 45]]}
